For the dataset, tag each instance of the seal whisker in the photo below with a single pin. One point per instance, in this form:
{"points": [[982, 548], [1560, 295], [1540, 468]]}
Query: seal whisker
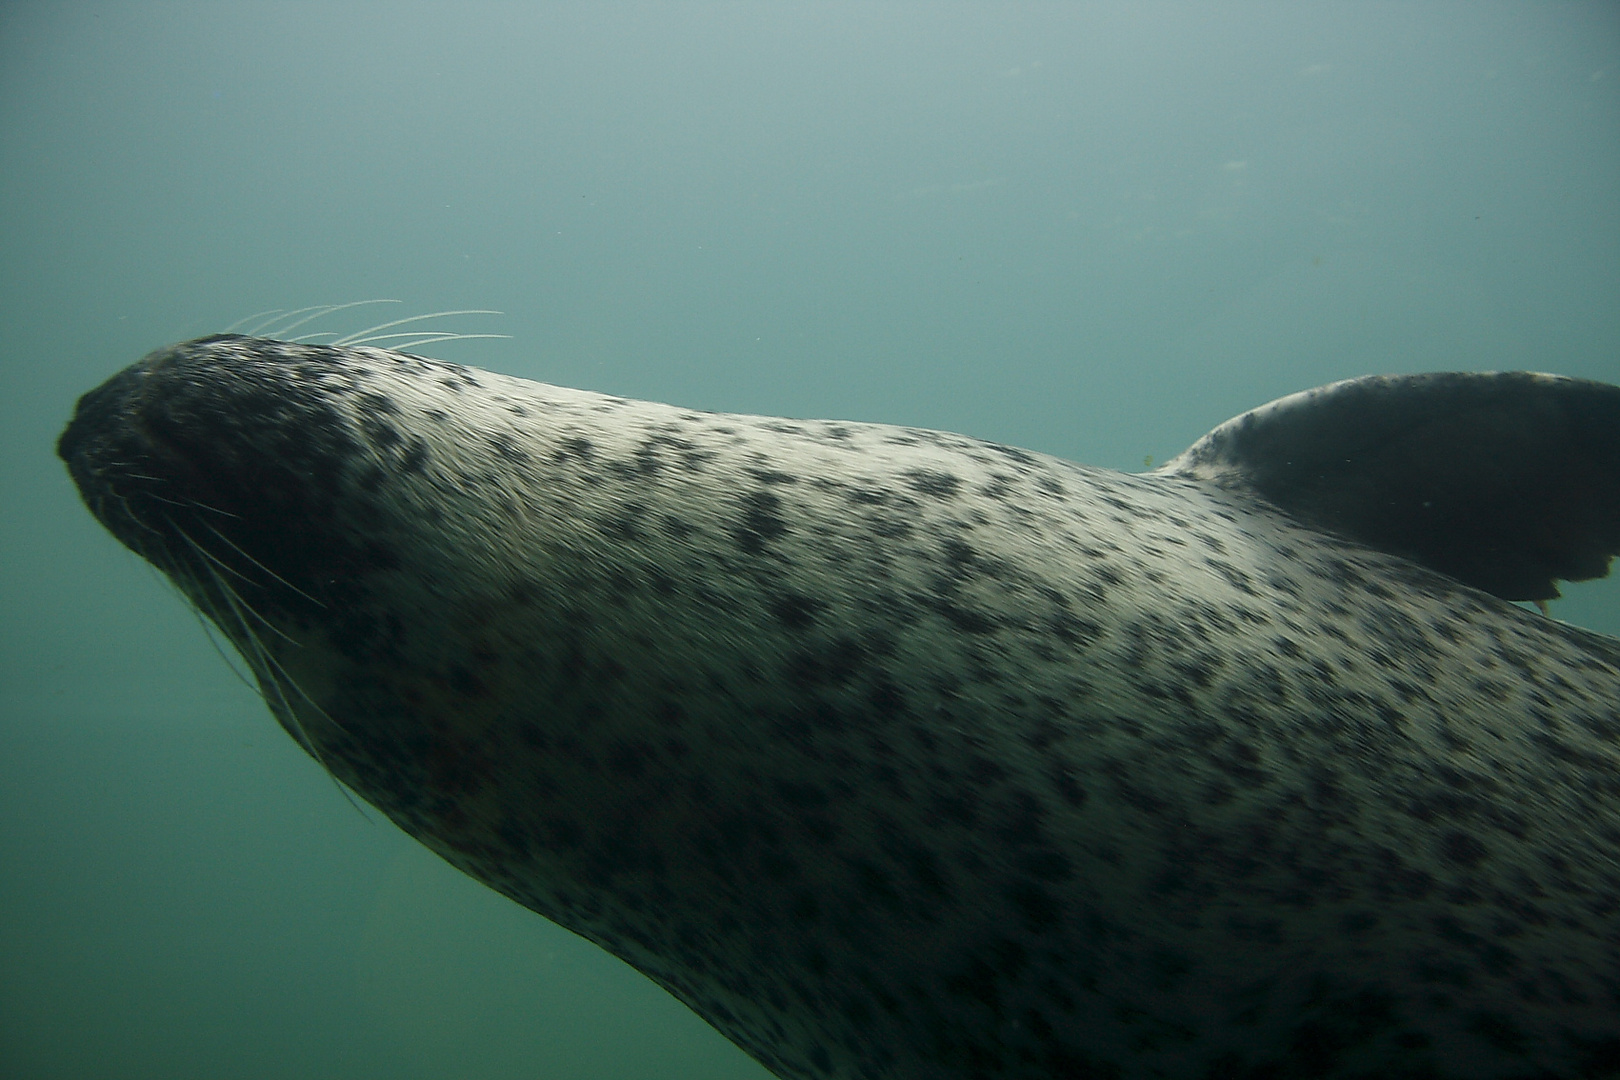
{"points": [[127, 469], [210, 625], [198, 505], [411, 343], [180, 504], [272, 674], [130, 514], [215, 564], [277, 678], [320, 311], [273, 575], [236, 327], [274, 677], [197, 599], [240, 605], [361, 336]]}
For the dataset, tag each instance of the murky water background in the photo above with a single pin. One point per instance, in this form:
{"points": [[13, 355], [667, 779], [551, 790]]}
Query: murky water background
{"points": [[1092, 229]]}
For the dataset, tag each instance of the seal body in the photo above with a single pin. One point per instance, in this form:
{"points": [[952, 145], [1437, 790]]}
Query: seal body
{"points": [[898, 754]]}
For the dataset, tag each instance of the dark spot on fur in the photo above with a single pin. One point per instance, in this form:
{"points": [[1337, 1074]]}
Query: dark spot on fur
{"points": [[415, 457], [1072, 630], [1023, 457], [958, 555], [371, 479], [964, 619], [1462, 848], [576, 447], [1036, 908], [1395, 878], [801, 795], [760, 523], [1049, 485], [795, 611], [926, 870], [1046, 865], [624, 526], [501, 442], [941, 485], [834, 664], [1063, 779], [378, 431], [874, 883], [630, 759], [465, 683], [1502, 1033], [1357, 922], [805, 908]]}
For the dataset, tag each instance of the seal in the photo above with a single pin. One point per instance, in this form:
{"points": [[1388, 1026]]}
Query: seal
{"points": [[901, 755]]}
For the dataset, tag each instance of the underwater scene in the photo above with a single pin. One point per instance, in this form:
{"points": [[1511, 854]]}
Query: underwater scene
{"points": [[368, 716]]}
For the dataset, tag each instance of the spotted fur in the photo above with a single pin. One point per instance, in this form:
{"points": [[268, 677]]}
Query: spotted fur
{"points": [[897, 754]]}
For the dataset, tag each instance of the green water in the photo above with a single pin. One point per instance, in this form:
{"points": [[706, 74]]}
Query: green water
{"points": [[1094, 230]]}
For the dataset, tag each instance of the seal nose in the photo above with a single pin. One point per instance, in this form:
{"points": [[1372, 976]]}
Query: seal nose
{"points": [[106, 452], [126, 476], [98, 412]]}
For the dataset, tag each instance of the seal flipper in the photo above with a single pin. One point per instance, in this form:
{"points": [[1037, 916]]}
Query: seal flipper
{"points": [[1506, 481]]}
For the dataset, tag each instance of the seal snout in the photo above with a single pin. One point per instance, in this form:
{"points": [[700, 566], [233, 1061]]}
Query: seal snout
{"points": [[96, 413], [226, 452], [113, 429], [109, 454]]}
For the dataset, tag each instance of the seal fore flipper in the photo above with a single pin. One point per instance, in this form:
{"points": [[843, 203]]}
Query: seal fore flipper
{"points": [[1509, 482]]}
